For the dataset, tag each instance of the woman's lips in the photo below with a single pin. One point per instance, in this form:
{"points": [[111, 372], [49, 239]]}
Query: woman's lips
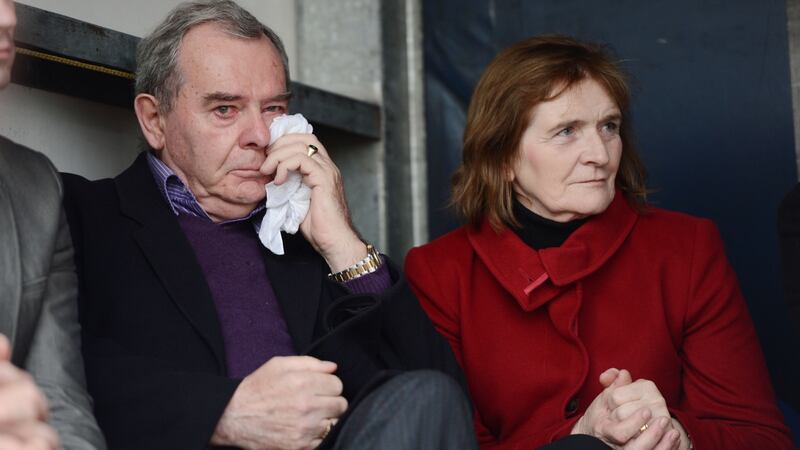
{"points": [[591, 182]]}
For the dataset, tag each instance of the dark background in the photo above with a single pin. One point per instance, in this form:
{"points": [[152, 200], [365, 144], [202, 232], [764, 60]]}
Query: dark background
{"points": [[712, 113]]}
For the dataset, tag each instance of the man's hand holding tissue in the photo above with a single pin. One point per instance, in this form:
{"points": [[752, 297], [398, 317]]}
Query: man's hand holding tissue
{"points": [[327, 225]]}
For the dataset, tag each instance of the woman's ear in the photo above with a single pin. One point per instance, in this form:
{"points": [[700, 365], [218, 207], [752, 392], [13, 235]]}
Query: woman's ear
{"points": [[150, 120], [508, 173]]}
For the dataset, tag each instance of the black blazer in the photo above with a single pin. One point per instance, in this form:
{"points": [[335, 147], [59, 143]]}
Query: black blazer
{"points": [[152, 343]]}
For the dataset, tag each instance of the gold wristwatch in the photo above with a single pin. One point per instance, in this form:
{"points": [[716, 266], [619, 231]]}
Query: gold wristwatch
{"points": [[369, 264]]}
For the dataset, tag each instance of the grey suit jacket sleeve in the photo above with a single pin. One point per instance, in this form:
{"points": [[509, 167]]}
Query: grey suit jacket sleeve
{"points": [[55, 359], [49, 341]]}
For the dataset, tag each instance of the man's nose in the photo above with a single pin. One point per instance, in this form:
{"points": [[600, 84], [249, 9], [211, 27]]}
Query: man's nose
{"points": [[255, 134]]}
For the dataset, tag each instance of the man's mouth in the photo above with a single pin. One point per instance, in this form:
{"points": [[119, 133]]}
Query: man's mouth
{"points": [[248, 173]]}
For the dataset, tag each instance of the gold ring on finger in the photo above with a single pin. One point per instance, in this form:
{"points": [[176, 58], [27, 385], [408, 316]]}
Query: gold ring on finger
{"points": [[643, 428], [312, 150]]}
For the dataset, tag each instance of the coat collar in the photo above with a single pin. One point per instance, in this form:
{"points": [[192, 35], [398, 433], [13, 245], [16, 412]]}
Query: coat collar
{"points": [[535, 277], [296, 279], [169, 252]]}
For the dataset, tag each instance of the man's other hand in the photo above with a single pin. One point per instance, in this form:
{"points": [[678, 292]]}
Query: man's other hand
{"points": [[286, 403]]}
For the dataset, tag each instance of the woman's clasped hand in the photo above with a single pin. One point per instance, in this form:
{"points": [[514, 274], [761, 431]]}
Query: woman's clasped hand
{"points": [[631, 415]]}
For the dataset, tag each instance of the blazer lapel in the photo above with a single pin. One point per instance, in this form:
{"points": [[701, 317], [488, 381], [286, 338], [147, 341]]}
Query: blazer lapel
{"points": [[296, 278], [166, 248], [10, 270]]}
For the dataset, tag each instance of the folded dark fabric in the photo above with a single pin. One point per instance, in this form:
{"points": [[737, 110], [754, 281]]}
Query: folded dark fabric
{"points": [[577, 442]]}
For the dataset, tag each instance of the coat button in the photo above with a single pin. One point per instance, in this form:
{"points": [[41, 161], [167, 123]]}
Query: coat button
{"points": [[572, 406]]}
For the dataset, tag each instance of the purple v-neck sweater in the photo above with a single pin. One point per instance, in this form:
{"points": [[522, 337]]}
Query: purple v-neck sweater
{"points": [[253, 327]]}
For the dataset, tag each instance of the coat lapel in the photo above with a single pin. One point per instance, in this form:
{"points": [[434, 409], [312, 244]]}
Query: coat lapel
{"points": [[296, 278], [166, 248], [10, 270]]}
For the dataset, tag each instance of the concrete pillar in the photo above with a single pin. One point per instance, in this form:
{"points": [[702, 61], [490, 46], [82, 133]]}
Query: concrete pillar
{"points": [[404, 122], [339, 50]]}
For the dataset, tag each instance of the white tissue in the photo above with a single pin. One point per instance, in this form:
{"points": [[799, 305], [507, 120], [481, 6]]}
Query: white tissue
{"points": [[288, 203]]}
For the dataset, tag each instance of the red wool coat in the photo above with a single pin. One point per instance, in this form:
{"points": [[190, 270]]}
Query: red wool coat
{"points": [[652, 293]]}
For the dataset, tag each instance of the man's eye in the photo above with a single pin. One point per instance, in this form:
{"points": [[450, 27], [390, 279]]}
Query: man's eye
{"points": [[224, 110], [275, 108]]}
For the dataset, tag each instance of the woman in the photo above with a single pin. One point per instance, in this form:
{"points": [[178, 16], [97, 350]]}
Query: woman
{"points": [[563, 275]]}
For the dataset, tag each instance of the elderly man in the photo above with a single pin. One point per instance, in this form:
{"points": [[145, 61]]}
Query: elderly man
{"points": [[194, 334], [38, 287]]}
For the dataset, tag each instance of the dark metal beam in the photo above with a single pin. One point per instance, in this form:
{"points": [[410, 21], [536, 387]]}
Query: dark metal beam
{"points": [[65, 36], [337, 111], [68, 56]]}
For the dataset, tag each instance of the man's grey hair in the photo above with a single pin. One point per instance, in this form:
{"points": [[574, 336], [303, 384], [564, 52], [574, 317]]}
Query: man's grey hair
{"points": [[157, 71]]}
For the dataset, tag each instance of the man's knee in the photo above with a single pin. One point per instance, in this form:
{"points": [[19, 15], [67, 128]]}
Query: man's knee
{"points": [[431, 382], [424, 389], [418, 409]]}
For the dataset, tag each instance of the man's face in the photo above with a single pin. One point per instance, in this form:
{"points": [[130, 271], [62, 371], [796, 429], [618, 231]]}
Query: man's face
{"points": [[217, 132], [8, 20]]}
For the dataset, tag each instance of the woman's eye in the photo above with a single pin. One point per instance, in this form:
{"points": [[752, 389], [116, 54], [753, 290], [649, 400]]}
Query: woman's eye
{"points": [[611, 127], [569, 131]]}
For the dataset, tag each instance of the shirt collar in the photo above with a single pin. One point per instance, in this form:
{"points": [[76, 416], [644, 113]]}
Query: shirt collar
{"points": [[180, 199]]}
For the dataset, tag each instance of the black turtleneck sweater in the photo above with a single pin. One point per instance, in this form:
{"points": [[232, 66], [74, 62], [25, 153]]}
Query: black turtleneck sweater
{"points": [[538, 232]]}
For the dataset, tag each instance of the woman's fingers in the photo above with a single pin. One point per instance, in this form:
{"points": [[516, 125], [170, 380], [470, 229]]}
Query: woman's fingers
{"points": [[656, 435], [670, 441], [608, 377], [644, 391], [621, 432]]}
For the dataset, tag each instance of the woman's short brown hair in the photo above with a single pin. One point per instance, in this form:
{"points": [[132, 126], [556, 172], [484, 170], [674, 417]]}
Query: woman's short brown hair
{"points": [[520, 77]]}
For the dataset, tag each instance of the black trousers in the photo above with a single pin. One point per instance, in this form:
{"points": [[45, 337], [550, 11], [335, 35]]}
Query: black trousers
{"points": [[577, 442], [414, 410]]}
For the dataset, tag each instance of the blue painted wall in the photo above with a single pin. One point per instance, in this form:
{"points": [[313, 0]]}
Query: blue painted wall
{"points": [[712, 114]]}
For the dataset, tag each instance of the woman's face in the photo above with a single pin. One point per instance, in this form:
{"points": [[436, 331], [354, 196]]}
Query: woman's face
{"points": [[569, 154]]}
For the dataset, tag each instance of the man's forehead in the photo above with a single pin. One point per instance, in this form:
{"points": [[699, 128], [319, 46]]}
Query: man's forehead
{"points": [[214, 60], [211, 37]]}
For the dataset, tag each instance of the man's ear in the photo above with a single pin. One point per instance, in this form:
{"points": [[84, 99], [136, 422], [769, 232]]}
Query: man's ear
{"points": [[150, 120]]}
